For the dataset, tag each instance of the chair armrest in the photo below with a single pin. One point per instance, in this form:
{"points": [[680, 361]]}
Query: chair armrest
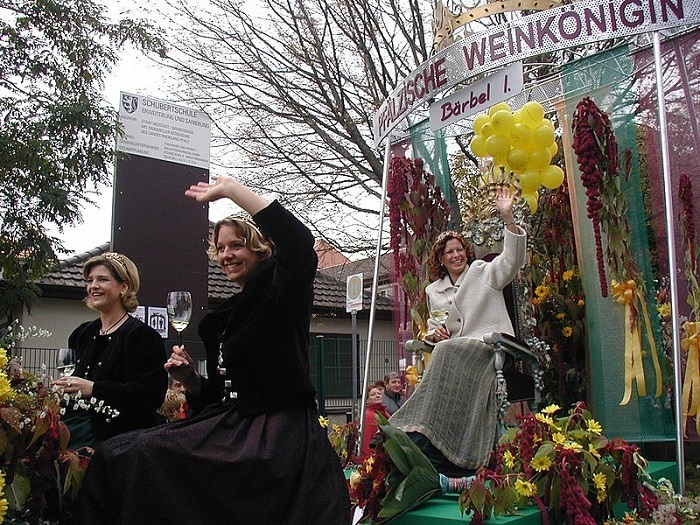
{"points": [[512, 345]]}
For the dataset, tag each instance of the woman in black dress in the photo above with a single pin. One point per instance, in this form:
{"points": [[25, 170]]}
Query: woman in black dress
{"points": [[119, 359], [254, 452]]}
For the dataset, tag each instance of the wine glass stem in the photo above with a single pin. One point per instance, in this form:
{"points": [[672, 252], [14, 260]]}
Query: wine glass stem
{"points": [[179, 338]]}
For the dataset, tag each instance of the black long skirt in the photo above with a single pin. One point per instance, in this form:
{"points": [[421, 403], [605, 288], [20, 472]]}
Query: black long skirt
{"points": [[218, 468]]}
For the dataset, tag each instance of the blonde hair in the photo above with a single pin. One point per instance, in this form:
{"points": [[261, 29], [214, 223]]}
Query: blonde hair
{"points": [[172, 404], [123, 270], [254, 240]]}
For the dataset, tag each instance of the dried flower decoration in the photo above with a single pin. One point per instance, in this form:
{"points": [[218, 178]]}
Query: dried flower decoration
{"points": [[690, 331]]}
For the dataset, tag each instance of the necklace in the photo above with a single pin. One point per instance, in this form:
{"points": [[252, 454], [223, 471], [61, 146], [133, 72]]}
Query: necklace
{"points": [[105, 332]]}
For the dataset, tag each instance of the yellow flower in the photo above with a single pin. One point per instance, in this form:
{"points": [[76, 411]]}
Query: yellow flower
{"points": [[594, 426], [558, 438], [551, 409], [3, 358], [3, 509], [335, 428], [572, 445], [567, 331], [568, 275], [5, 387], [581, 303], [544, 419], [525, 488], [508, 459], [323, 421], [664, 310], [541, 291], [541, 463], [600, 481], [2, 481], [355, 479], [593, 450], [369, 463], [561, 315]]}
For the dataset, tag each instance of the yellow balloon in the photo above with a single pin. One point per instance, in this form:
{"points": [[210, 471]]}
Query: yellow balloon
{"points": [[552, 176], [498, 107], [539, 159], [518, 159], [553, 149], [547, 122], [479, 121], [543, 136], [478, 146], [503, 122], [518, 115], [531, 199], [487, 129], [529, 181], [498, 147], [533, 113], [521, 136]]}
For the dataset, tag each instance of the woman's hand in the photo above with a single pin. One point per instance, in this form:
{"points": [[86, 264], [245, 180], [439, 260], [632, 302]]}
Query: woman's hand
{"points": [[441, 333], [72, 385], [227, 188], [503, 201], [220, 188], [180, 366]]}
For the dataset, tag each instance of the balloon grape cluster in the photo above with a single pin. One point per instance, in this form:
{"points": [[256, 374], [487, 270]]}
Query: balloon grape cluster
{"points": [[522, 142]]}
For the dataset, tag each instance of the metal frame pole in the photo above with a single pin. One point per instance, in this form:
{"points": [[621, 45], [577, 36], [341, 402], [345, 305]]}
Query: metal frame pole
{"points": [[671, 240], [375, 281]]}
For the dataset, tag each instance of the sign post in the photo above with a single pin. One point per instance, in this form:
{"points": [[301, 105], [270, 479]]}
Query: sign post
{"points": [[353, 304]]}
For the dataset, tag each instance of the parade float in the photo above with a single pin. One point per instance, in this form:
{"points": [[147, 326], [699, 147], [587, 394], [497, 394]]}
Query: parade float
{"points": [[602, 151]]}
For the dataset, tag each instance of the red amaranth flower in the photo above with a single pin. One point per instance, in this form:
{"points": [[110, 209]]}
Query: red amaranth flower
{"points": [[596, 153]]}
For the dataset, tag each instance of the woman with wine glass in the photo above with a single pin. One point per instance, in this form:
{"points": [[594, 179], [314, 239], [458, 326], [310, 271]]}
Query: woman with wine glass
{"points": [[451, 414], [119, 359], [253, 450]]}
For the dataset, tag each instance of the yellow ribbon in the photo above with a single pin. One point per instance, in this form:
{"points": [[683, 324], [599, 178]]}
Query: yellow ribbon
{"points": [[690, 342], [626, 293]]}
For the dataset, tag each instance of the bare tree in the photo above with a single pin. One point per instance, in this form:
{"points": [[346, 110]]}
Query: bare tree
{"points": [[292, 87]]}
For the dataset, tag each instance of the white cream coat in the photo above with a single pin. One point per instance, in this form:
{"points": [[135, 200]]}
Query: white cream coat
{"points": [[475, 302]]}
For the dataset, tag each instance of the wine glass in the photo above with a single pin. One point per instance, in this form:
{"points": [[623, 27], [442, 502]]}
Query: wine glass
{"points": [[439, 316], [179, 311], [65, 361]]}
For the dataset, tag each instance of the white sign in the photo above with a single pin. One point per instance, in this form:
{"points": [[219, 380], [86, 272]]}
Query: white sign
{"points": [[579, 23], [477, 97], [162, 130], [139, 313], [353, 299], [158, 320]]}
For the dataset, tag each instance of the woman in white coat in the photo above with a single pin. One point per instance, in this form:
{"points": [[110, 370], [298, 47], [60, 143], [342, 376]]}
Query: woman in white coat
{"points": [[452, 413]]}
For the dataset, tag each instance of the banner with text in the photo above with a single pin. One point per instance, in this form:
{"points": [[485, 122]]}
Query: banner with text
{"points": [[477, 97], [558, 28], [163, 130]]}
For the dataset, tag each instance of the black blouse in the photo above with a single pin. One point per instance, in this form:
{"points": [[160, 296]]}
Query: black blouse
{"points": [[127, 369]]}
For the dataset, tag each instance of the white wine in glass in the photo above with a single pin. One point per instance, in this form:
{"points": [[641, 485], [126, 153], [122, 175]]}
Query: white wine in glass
{"points": [[439, 316], [179, 311], [65, 361]]}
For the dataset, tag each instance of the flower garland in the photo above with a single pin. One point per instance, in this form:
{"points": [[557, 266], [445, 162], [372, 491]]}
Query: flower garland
{"points": [[690, 330], [596, 152]]}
